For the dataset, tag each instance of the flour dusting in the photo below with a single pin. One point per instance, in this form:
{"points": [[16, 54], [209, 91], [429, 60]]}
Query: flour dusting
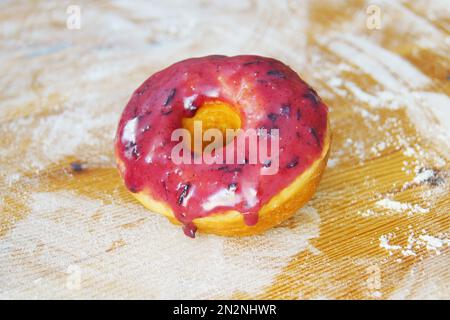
{"points": [[61, 231], [400, 206], [415, 244]]}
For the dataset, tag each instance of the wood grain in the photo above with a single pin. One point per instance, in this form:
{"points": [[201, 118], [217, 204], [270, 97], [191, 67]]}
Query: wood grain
{"points": [[378, 227]]}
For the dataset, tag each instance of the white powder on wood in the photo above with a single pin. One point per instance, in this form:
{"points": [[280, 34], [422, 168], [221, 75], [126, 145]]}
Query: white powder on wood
{"points": [[384, 243], [153, 259], [423, 176], [415, 244], [400, 206]]}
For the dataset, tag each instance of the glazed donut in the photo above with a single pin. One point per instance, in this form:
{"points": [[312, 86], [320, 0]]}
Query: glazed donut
{"points": [[240, 93]]}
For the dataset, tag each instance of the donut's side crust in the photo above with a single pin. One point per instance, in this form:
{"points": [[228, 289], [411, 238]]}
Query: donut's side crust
{"points": [[281, 207]]}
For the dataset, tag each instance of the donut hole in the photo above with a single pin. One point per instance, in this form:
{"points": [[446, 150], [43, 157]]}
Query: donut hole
{"points": [[213, 115]]}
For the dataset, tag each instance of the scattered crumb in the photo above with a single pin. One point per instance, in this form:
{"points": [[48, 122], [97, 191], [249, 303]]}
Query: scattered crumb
{"points": [[77, 166]]}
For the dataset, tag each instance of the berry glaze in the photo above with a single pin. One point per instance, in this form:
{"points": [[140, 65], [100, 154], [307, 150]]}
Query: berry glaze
{"points": [[267, 93]]}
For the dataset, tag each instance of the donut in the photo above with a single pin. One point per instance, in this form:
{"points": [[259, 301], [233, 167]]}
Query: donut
{"points": [[240, 94]]}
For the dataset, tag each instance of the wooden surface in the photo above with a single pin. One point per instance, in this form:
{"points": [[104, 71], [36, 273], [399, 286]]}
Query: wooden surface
{"points": [[377, 228]]}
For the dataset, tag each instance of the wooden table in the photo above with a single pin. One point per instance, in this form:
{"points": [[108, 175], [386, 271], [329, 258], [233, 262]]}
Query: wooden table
{"points": [[378, 226]]}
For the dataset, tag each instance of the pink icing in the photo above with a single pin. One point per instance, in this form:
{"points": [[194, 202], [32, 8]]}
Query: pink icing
{"points": [[269, 95]]}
